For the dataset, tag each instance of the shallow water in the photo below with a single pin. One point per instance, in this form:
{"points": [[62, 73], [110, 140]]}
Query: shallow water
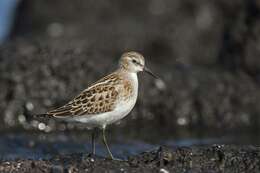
{"points": [[45, 146]]}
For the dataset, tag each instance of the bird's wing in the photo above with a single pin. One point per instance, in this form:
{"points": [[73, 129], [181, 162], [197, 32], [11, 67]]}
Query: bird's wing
{"points": [[98, 98]]}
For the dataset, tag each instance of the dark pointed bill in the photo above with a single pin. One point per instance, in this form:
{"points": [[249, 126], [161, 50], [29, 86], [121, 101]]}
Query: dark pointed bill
{"points": [[147, 70]]}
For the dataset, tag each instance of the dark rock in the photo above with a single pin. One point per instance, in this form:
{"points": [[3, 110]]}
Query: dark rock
{"points": [[205, 51]]}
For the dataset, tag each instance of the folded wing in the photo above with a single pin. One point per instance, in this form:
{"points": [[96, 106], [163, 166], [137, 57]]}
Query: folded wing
{"points": [[97, 99]]}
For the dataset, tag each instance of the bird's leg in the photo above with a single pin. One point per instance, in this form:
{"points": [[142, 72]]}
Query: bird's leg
{"points": [[93, 143], [105, 142]]}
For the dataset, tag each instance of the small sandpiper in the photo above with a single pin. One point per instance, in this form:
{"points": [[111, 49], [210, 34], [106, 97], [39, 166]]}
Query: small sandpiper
{"points": [[107, 100]]}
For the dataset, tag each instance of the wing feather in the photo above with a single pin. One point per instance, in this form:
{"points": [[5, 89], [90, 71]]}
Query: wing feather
{"points": [[99, 98]]}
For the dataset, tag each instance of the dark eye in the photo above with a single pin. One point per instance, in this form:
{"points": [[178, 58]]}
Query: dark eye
{"points": [[134, 61]]}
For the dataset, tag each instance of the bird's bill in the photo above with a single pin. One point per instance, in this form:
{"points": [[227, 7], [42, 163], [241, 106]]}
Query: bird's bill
{"points": [[147, 70]]}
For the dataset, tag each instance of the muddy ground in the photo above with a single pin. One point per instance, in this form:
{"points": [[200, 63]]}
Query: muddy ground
{"points": [[214, 159]]}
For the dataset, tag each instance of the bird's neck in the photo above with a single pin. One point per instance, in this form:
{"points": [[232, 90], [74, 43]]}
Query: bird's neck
{"points": [[128, 75], [127, 71]]}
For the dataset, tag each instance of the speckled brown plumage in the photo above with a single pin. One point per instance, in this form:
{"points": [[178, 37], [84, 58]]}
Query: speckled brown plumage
{"points": [[99, 98], [128, 90]]}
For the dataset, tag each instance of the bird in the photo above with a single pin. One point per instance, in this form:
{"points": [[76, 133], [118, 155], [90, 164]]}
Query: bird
{"points": [[106, 101]]}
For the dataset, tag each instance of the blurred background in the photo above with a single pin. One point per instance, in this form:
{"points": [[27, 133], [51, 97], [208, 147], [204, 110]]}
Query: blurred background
{"points": [[206, 52]]}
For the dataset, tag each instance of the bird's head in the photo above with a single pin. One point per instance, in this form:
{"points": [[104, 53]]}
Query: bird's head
{"points": [[134, 62]]}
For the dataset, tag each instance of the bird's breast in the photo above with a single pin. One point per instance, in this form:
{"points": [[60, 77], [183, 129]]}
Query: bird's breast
{"points": [[128, 95], [129, 88]]}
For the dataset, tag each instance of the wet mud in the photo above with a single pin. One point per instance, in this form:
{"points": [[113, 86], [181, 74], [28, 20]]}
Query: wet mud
{"points": [[215, 159]]}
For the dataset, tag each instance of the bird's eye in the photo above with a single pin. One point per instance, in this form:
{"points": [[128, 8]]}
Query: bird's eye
{"points": [[134, 61]]}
